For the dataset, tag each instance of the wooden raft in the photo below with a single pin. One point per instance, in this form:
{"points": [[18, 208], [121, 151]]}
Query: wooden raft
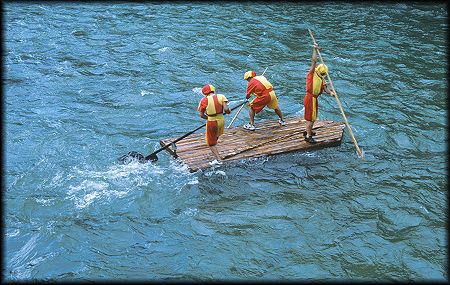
{"points": [[269, 138]]}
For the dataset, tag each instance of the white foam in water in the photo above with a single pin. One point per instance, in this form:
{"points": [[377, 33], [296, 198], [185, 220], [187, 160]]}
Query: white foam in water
{"points": [[23, 254], [164, 49], [180, 176], [102, 185], [311, 154], [190, 212], [422, 207], [145, 92], [193, 182], [197, 90], [44, 202], [87, 184], [121, 171], [298, 113], [13, 233], [255, 160], [120, 180], [179, 167], [86, 200], [212, 171], [363, 153], [58, 179], [91, 191], [221, 172]]}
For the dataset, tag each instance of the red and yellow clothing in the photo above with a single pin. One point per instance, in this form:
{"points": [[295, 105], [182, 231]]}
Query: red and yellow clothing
{"points": [[212, 105], [314, 87], [260, 87]]}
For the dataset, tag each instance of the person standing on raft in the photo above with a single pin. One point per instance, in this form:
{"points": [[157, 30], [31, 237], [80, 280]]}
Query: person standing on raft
{"points": [[265, 96], [211, 108], [315, 85]]}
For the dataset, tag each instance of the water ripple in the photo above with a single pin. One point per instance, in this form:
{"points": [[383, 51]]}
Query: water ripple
{"points": [[85, 84]]}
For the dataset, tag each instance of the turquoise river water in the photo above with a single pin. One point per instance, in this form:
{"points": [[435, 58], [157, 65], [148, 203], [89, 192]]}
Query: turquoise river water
{"points": [[84, 83]]}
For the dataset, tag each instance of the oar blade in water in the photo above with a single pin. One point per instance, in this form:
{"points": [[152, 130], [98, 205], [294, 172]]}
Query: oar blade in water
{"points": [[131, 156], [152, 157]]}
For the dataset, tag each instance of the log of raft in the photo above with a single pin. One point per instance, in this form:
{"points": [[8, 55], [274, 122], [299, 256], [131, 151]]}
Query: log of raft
{"points": [[269, 138]]}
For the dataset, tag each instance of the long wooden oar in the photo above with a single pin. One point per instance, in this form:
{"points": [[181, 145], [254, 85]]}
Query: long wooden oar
{"points": [[134, 155], [237, 113], [337, 100], [246, 100]]}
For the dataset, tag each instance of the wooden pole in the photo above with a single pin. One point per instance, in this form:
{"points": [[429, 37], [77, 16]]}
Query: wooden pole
{"points": [[237, 113], [264, 71], [338, 102], [235, 116]]}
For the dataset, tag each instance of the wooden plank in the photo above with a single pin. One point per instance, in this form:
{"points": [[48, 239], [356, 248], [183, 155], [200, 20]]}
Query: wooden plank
{"points": [[268, 139]]}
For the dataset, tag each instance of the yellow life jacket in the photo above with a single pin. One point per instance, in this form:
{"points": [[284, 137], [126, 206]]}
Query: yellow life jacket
{"points": [[214, 110], [317, 83], [264, 81]]}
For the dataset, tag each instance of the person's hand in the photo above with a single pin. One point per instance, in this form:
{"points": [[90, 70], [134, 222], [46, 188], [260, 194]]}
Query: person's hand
{"points": [[332, 93], [228, 111], [316, 46]]}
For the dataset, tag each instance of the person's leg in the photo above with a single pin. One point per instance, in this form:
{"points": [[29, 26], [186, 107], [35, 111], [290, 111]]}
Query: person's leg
{"points": [[215, 152], [309, 133], [309, 126], [307, 103], [273, 104], [279, 113], [257, 105], [220, 130], [251, 113], [211, 137]]}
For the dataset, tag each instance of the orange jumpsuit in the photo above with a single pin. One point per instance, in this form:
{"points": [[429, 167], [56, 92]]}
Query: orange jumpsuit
{"points": [[265, 96]]}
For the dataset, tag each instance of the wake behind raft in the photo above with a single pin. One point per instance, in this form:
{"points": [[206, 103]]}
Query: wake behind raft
{"points": [[236, 143]]}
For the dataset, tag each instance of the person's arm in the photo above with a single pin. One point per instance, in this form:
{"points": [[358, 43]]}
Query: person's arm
{"points": [[203, 116], [202, 109], [225, 108], [250, 87], [327, 90]]}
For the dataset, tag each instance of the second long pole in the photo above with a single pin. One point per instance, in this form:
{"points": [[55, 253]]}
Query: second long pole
{"points": [[338, 102]]}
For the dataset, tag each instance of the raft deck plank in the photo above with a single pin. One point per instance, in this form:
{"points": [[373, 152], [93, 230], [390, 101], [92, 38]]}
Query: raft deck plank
{"points": [[269, 138]]}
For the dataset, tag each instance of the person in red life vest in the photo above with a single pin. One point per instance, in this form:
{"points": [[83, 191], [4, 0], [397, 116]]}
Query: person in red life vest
{"points": [[260, 87], [315, 85], [211, 108]]}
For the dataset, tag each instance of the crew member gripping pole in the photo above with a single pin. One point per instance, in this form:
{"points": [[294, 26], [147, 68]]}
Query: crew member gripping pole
{"points": [[240, 109], [338, 102]]}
